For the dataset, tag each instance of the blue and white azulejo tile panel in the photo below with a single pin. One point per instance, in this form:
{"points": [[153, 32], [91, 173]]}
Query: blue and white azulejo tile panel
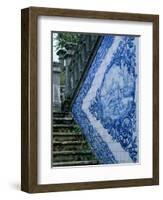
{"points": [[106, 107]]}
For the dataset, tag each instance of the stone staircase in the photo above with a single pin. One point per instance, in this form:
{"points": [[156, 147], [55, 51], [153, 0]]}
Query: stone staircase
{"points": [[69, 147]]}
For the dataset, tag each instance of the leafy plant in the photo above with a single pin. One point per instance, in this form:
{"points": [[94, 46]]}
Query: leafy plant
{"points": [[63, 38]]}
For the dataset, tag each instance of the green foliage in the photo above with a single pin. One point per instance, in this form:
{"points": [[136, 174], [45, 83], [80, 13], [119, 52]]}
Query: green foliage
{"points": [[63, 38], [76, 129]]}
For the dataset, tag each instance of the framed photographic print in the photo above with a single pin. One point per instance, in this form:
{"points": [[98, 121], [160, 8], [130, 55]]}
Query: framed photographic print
{"points": [[90, 99]]}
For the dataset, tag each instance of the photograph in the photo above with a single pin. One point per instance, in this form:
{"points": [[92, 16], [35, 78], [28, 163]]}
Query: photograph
{"points": [[95, 99]]}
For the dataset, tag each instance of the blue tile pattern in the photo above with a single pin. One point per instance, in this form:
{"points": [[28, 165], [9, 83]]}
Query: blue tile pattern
{"points": [[107, 105]]}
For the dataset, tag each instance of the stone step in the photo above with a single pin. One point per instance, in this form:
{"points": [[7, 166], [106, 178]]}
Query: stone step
{"points": [[65, 125], [66, 128], [71, 152], [75, 163], [65, 117], [58, 114], [61, 114], [67, 136], [63, 120], [68, 142], [70, 145], [64, 156]]}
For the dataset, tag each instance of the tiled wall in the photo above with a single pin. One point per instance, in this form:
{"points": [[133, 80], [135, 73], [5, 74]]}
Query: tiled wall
{"points": [[107, 105]]}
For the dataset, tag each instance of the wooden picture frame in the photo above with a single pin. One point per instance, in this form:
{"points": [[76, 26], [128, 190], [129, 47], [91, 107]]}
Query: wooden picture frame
{"points": [[29, 112]]}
